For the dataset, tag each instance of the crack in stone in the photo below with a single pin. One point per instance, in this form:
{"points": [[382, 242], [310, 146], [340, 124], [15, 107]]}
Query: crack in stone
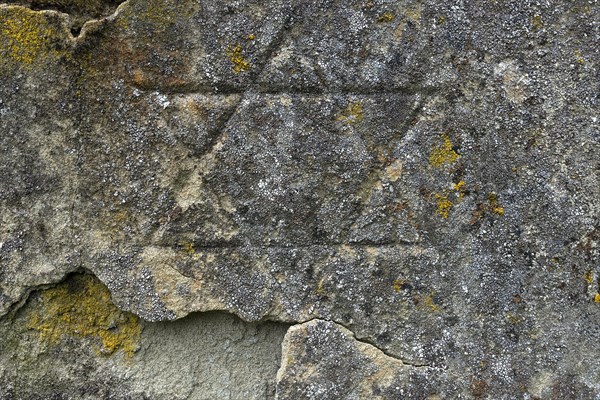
{"points": [[228, 246], [275, 91], [79, 12], [368, 342]]}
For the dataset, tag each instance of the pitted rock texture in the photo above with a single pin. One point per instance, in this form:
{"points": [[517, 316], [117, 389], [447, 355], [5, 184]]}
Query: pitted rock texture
{"points": [[420, 175]]}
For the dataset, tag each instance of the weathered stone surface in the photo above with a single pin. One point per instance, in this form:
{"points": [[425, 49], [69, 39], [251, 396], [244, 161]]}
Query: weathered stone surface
{"points": [[69, 342], [422, 173]]}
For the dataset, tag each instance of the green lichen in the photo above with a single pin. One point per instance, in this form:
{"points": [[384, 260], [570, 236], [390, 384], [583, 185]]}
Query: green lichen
{"points": [[82, 308], [25, 36], [236, 56], [443, 153], [352, 114]]}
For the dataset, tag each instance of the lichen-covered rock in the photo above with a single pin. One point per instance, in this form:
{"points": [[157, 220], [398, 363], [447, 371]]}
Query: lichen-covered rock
{"points": [[70, 342], [423, 173]]}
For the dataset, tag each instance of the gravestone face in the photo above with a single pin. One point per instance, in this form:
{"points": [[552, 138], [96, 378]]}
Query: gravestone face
{"points": [[406, 191]]}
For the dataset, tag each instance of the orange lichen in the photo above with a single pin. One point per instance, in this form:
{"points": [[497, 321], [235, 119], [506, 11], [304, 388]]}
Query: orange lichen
{"points": [[444, 153], [82, 308]]}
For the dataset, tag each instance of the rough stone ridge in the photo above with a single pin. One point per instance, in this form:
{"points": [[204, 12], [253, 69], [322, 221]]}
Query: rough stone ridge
{"points": [[411, 185]]}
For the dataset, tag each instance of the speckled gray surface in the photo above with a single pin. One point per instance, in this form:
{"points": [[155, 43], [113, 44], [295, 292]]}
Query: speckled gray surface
{"points": [[411, 185]]}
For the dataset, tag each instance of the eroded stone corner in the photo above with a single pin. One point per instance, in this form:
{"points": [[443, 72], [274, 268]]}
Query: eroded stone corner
{"points": [[70, 341]]}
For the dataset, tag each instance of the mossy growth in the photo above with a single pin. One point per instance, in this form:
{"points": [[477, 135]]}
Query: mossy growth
{"points": [[352, 114], [443, 153], [24, 35], [236, 56], [81, 307], [386, 17]]}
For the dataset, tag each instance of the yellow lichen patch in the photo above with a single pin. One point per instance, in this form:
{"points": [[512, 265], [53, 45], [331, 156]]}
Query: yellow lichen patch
{"points": [[251, 36], [461, 189], [426, 302], [444, 205], [188, 247], [24, 35], [495, 206], [399, 284], [236, 56], [444, 153], [352, 114], [536, 21], [82, 308], [579, 57], [161, 13], [414, 14], [386, 17], [320, 289], [597, 298], [513, 319], [589, 277]]}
